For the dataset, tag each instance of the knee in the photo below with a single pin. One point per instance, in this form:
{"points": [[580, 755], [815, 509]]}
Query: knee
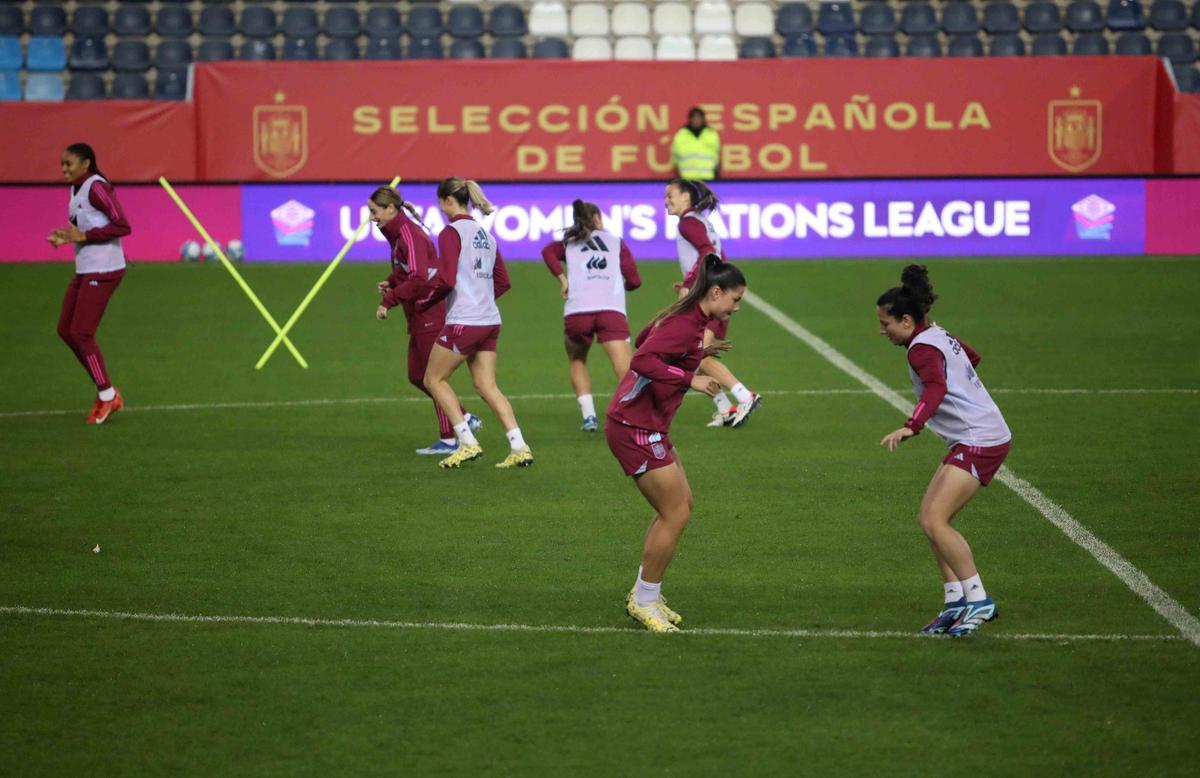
{"points": [[930, 523], [429, 382], [483, 387]]}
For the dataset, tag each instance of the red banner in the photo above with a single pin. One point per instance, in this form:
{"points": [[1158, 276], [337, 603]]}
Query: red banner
{"points": [[135, 140], [1186, 133], [613, 120]]}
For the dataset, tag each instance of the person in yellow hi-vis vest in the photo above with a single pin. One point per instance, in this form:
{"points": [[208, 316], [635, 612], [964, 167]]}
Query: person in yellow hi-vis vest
{"points": [[696, 149]]}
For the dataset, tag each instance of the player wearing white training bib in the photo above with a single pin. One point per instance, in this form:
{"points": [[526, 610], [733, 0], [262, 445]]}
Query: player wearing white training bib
{"points": [[471, 274], [599, 269], [952, 401]]}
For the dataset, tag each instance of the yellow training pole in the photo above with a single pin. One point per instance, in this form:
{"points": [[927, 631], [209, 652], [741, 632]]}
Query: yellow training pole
{"points": [[229, 266], [287, 327]]}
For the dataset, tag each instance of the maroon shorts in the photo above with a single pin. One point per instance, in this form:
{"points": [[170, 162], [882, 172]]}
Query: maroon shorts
{"points": [[637, 450], [718, 328], [469, 339], [605, 325], [980, 461]]}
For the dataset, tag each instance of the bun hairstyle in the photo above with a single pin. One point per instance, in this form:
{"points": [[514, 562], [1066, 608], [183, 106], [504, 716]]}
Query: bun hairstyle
{"points": [[703, 198], [583, 215], [713, 271], [85, 152], [466, 192], [914, 297], [385, 196]]}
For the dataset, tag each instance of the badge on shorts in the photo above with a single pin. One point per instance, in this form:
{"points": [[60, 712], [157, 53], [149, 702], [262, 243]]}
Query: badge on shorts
{"points": [[659, 450]]}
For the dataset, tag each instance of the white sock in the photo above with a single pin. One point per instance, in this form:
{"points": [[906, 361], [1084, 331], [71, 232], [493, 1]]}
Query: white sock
{"points": [[586, 406], [107, 394], [742, 394], [973, 587], [722, 401], [465, 436], [450, 441], [645, 593], [515, 439], [954, 592]]}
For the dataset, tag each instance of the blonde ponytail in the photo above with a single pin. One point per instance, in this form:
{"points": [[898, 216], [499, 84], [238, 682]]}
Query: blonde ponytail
{"points": [[475, 195]]}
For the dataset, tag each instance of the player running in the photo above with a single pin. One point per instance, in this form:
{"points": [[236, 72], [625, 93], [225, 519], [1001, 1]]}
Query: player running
{"points": [[953, 402], [690, 200], [599, 270], [96, 227], [669, 354]]}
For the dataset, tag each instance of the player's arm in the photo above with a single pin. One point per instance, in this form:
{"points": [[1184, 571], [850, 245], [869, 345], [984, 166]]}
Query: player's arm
{"points": [[415, 285], [554, 255], [443, 281], [629, 269], [104, 199], [694, 233], [501, 283], [971, 353], [930, 365], [656, 348]]}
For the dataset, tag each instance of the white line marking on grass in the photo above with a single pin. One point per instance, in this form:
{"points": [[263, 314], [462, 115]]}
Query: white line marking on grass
{"points": [[519, 397], [451, 626], [1165, 605]]}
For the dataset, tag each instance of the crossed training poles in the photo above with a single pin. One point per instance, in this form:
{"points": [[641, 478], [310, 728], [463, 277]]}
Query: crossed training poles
{"points": [[280, 332]]}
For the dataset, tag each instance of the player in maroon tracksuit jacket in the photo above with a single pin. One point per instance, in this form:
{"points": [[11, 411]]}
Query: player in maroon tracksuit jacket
{"points": [[414, 262], [664, 367]]}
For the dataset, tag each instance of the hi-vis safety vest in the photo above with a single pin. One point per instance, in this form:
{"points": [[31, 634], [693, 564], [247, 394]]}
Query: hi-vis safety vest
{"points": [[696, 157]]}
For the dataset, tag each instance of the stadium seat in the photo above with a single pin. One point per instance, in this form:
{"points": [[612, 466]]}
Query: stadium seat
{"points": [[510, 48], [340, 50], [46, 53], [1006, 45], [1125, 15], [675, 47], [382, 21], [214, 51], [1134, 44], [171, 84], [89, 54], [841, 46], [1187, 79], [923, 46], [1048, 44], [44, 87], [299, 22], [965, 45], [794, 19], [131, 57], [753, 19], [1168, 15], [11, 56], [800, 45], [591, 47], [918, 18], [129, 21], [215, 21], [551, 48], [257, 49], [130, 86], [47, 20], [757, 47], [633, 47], [465, 21], [713, 17], [959, 18], [12, 22], [468, 48], [384, 47], [835, 18], [589, 19], [1090, 44], [86, 86], [425, 47], [882, 46], [175, 21], [717, 47], [425, 21], [630, 19], [1042, 16], [1196, 15], [1084, 16], [672, 18], [10, 85], [341, 22], [877, 18], [548, 17], [172, 54], [1177, 47], [258, 21], [1001, 16], [90, 21], [300, 48], [508, 20]]}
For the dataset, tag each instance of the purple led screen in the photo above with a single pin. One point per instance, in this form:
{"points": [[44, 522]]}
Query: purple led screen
{"points": [[757, 220]]}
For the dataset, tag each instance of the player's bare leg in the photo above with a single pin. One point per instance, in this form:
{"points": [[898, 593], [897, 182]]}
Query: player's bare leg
{"points": [[483, 374]]}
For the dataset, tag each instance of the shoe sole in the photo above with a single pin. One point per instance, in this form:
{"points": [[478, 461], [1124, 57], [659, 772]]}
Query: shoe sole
{"points": [[457, 465], [526, 463], [646, 626], [994, 617], [735, 423], [671, 615]]}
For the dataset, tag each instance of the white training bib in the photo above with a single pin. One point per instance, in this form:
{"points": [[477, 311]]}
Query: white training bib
{"points": [[967, 415], [473, 299], [594, 280], [687, 252], [93, 257]]}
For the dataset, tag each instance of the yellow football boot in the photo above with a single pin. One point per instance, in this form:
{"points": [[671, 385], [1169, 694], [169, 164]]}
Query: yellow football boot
{"points": [[460, 457], [522, 458]]}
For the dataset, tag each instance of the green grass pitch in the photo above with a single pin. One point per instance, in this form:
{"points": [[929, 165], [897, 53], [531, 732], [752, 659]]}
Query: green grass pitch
{"points": [[270, 507]]}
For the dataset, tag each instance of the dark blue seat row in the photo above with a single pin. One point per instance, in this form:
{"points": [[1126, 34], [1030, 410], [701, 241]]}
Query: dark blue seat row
{"points": [[380, 47]]}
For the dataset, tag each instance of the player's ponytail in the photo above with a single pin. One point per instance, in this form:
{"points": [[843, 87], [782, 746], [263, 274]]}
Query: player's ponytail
{"points": [[914, 297], [466, 193], [385, 196], [583, 215], [703, 199], [85, 152], [713, 271]]}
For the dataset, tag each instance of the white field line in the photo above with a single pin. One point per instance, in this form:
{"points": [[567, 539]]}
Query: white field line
{"points": [[450, 626], [1165, 605], [519, 397]]}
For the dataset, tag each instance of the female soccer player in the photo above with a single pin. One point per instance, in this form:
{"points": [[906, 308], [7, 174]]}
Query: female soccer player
{"points": [[952, 401], [599, 270], [669, 354], [470, 276], [96, 227], [414, 261], [690, 200]]}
